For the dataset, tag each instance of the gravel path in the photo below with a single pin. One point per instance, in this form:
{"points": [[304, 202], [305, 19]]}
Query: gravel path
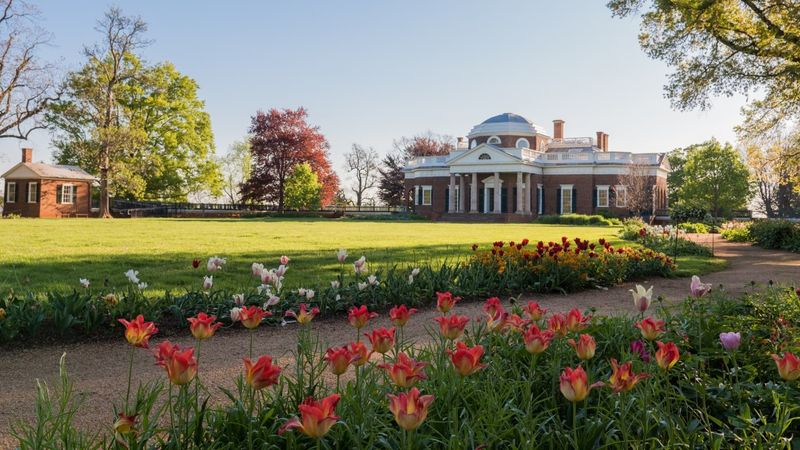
{"points": [[99, 368]]}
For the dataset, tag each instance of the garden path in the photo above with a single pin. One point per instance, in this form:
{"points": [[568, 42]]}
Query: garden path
{"points": [[99, 368]]}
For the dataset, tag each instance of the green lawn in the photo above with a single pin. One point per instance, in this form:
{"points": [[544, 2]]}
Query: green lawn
{"points": [[40, 254]]}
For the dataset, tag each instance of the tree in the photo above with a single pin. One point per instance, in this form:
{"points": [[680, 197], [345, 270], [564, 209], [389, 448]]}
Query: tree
{"points": [[425, 144], [725, 47], [391, 186], [676, 159], [279, 141], [26, 82], [363, 164], [236, 166], [302, 188], [715, 179], [638, 189], [773, 174]]}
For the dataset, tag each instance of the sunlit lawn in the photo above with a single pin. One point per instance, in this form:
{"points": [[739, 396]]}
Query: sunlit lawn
{"points": [[55, 254]]}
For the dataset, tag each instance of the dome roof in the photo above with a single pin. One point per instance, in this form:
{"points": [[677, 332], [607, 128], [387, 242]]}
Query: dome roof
{"points": [[506, 124]]}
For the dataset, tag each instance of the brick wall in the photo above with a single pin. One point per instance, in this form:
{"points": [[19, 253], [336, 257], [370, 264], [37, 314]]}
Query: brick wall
{"points": [[21, 205], [50, 206]]}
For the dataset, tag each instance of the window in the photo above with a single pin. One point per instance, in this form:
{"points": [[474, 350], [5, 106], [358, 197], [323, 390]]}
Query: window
{"points": [[11, 192], [485, 156], [494, 140], [473, 144], [427, 195], [540, 199], [67, 193], [523, 143], [33, 192], [622, 196], [566, 199], [457, 197], [602, 196]]}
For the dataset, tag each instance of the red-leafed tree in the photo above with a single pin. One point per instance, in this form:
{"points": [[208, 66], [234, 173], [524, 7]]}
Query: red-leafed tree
{"points": [[424, 144], [281, 139]]}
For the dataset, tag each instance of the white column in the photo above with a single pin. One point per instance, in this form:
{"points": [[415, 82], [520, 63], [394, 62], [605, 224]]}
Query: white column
{"points": [[520, 195], [528, 187], [462, 185], [497, 198], [473, 194], [451, 194]]}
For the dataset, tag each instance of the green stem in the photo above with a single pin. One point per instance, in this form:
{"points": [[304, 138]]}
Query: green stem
{"points": [[130, 375], [171, 412], [197, 379], [251, 343], [575, 423]]}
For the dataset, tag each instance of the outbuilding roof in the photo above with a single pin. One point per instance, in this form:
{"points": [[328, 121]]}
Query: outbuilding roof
{"points": [[47, 171]]}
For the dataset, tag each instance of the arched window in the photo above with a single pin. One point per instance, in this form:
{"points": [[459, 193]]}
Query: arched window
{"points": [[473, 144], [484, 156], [523, 143], [494, 140]]}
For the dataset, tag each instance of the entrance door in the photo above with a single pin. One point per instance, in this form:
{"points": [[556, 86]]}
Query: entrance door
{"points": [[504, 200], [489, 202]]}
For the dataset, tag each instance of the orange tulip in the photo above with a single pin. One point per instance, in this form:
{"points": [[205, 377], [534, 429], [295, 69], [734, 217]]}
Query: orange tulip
{"points": [[622, 377], [399, 315], [534, 311], [203, 326], [261, 374], [574, 384], [537, 341], [359, 316], [445, 301], [406, 371], [361, 352], [409, 409], [577, 321], [252, 316], [305, 316], [382, 340], [317, 417], [339, 359], [788, 366], [558, 325], [585, 347], [181, 366], [517, 323], [125, 424], [466, 360], [667, 355], [452, 327], [138, 332], [650, 328], [498, 323]]}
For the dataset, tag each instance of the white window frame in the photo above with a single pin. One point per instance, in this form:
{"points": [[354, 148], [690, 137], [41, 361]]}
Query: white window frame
{"points": [[539, 198], [67, 199], [566, 188], [604, 188], [622, 194], [11, 186], [489, 141], [429, 190], [457, 197], [34, 190], [526, 143]]}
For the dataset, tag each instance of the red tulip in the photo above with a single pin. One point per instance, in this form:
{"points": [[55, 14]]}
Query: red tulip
{"points": [[399, 315], [138, 332], [339, 359], [410, 409], [406, 371], [498, 323], [577, 321], [451, 327], [466, 360], [316, 417], [361, 352], [558, 324], [203, 326], [667, 355], [261, 374], [251, 316], [650, 328], [622, 377], [445, 301], [534, 311], [125, 424], [304, 317], [359, 316], [493, 308], [574, 384], [585, 347], [788, 366], [382, 340], [196, 263], [181, 366], [537, 341], [517, 323]]}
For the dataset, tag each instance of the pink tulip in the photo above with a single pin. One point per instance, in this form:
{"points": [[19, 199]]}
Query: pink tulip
{"points": [[730, 341]]}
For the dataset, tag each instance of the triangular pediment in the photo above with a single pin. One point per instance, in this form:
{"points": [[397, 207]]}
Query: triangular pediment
{"points": [[21, 172], [484, 154]]}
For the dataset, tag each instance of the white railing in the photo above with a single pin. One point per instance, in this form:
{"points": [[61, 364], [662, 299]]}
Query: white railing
{"points": [[599, 157], [427, 161], [571, 142]]}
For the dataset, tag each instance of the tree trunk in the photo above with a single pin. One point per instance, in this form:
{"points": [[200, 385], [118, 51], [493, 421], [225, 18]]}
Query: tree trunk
{"points": [[105, 207]]}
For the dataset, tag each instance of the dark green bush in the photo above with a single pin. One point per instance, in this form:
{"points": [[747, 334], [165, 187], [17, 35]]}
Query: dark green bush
{"points": [[579, 219], [775, 234]]}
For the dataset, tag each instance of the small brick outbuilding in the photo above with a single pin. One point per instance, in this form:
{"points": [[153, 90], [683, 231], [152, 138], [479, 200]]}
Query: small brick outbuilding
{"points": [[46, 190]]}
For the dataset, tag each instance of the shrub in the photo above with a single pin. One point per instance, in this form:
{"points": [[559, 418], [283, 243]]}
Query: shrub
{"points": [[693, 227], [775, 234], [579, 219], [664, 239], [736, 231]]}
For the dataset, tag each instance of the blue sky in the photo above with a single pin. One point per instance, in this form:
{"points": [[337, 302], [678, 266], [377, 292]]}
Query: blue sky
{"points": [[372, 71]]}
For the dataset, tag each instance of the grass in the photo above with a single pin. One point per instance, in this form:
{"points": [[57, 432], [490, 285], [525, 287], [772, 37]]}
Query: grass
{"points": [[44, 254]]}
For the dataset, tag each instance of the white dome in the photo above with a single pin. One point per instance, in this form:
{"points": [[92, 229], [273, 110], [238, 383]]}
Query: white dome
{"points": [[505, 124]]}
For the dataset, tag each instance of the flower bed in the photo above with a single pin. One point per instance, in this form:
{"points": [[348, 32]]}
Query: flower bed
{"points": [[707, 375], [667, 239]]}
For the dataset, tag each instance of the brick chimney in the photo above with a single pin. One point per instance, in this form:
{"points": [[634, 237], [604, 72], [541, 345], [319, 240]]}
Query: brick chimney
{"points": [[558, 129], [600, 139], [605, 141], [27, 155]]}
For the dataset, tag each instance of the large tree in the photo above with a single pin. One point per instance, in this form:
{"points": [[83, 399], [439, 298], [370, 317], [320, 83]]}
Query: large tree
{"points": [[390, 186], [715, 179], [424, 144], [302, 188], [362, 163], [281, 139], [638, 189], [26, 82], [236, 166], [774, 174]]}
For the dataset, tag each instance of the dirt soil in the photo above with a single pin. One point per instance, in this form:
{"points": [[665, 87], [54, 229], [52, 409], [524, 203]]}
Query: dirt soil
{"points": [[99, 368]]}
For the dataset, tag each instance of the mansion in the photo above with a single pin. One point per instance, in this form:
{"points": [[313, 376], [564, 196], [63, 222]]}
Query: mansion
{"points": [[511, 167]]}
